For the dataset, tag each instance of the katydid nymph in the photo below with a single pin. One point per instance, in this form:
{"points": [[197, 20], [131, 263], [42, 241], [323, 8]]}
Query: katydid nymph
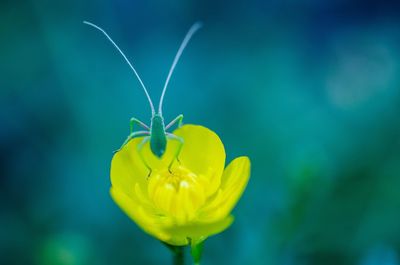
{"points": [[156, 133]]}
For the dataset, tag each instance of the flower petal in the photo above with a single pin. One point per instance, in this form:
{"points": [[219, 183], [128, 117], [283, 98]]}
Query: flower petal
{"points": [[127, 168], [203, 153], [196, 232], [145, 217], [233, 183]]}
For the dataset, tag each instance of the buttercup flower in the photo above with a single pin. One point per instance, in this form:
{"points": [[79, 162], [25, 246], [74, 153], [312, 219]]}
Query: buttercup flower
{"points": [[187, 201]]}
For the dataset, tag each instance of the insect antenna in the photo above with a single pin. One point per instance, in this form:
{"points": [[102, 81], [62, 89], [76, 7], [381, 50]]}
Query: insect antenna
{"points": [[196, 26], [129, 63]]}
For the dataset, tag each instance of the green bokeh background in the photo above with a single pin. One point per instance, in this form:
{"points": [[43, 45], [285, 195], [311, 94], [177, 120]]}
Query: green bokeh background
{"points": [[309, 90]]}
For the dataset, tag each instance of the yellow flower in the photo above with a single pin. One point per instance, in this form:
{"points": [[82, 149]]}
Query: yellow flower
{"points": [[188, 202]]}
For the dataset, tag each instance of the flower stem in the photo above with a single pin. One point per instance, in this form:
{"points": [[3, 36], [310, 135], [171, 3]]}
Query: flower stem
{"points": [[179, 258], [177, 252]]}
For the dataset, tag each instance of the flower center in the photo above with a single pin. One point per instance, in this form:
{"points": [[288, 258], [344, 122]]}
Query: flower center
{"points": [[177, 192]]}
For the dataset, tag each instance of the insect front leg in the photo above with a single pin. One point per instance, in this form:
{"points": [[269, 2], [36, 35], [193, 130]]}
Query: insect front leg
{"points": [[140, 148], [134, 122], [133, 135], [178, 150], [178, 119]]}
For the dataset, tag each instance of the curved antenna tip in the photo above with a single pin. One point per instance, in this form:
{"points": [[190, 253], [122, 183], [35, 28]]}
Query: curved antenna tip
{"points": [[127, 61], [195, 27], [198, 24]]}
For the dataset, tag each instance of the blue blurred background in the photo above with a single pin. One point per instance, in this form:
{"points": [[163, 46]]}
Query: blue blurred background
{"points": [[310, 90]]}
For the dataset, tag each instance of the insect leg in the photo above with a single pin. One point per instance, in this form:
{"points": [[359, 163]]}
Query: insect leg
{"points": [[178, 150], [139, 148], [138, 122], [178, 119], [133, 135]]}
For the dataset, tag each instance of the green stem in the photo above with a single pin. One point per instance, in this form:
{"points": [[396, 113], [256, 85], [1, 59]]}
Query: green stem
{"points": [[177, 252], [196, 251], [179, 258]]}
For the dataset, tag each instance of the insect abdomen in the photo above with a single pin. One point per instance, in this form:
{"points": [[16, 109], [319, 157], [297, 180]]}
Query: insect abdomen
{"points": [[158, 139]]}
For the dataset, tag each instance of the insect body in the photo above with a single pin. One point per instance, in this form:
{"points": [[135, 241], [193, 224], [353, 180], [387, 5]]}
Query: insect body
{"points": [[158, 138], [156, 133]]}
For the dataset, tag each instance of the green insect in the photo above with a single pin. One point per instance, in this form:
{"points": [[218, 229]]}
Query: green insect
{"points": [[156, 133]]}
